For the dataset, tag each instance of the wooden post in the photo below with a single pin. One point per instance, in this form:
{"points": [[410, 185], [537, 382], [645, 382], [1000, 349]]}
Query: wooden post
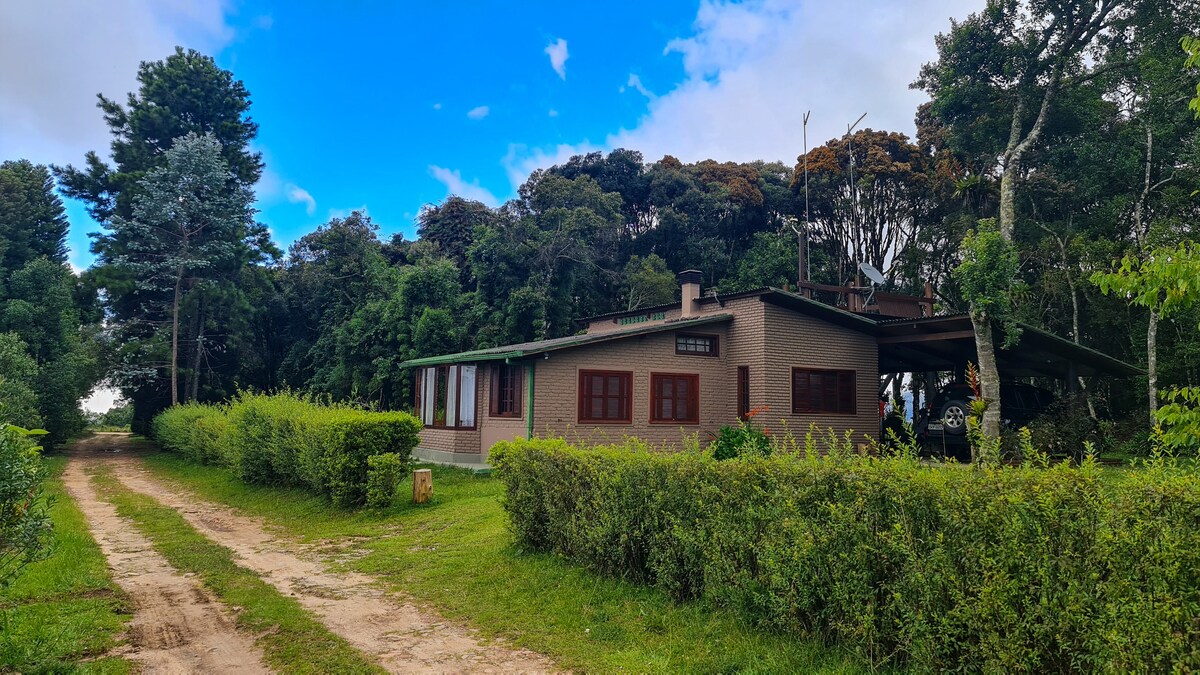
{"points": [[422, 485]]}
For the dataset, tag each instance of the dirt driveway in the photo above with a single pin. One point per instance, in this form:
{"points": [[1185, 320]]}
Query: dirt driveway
{"points": [[396, 633]]}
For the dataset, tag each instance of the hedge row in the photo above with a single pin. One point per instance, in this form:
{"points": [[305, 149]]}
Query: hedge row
{"points": [[286, 439], [938, 568]]}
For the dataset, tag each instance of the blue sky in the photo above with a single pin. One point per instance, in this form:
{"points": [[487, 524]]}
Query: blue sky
{"points": [[390, 106]]}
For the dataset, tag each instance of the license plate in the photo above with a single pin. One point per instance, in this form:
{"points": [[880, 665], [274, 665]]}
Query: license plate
{"points": [[935, 426]]}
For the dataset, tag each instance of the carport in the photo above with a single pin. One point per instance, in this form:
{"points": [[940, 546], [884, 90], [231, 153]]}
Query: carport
{"points": [[947, 343], [943, 343]]}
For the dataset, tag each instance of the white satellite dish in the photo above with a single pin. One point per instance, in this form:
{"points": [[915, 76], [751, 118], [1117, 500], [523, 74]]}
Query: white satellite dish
{"points": [[875, 277], [872, 273]]}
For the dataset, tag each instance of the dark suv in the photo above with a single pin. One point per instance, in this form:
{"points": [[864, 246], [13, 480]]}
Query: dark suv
{"points": [[943, 424]]}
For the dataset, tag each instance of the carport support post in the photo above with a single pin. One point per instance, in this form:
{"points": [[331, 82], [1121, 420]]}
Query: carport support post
{"points": [[1072, 378]]}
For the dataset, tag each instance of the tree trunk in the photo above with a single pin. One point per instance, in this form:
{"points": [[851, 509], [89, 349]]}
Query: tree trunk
{"points": [[175, 337], [1152, 363], [194, 389], [989, 377], [193, 361], [1075, 334]]}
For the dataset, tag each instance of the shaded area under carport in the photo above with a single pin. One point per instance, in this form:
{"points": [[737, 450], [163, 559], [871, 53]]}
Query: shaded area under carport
{"points": [[947, 343]]}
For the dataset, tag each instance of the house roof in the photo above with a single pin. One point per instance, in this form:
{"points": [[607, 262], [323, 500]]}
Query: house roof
{"points": [[776, 296], [525, 349], [799, 303], [905, 345]]}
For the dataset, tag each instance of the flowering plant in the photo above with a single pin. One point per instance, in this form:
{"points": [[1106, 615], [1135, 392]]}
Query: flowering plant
{"points": [[742, 439]]}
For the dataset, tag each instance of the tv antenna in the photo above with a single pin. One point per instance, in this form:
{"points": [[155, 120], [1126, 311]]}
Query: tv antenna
{"points": [[802, 232], [874, 276], [854, 233]]}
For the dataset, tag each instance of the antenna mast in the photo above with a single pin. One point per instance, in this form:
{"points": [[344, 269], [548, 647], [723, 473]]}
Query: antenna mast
{"points": [[802, 232], [853, 189]]}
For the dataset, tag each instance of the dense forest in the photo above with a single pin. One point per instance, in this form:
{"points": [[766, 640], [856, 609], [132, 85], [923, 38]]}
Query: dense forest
{"points": [[1066, 124]]}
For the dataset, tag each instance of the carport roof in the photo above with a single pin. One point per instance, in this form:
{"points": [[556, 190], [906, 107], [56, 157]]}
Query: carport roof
{"points": [[945, 342]]}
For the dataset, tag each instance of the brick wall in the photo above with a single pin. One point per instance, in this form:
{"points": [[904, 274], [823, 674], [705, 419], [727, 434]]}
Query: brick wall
{"points": [[793, 339], [557, 383], [769, 340]]}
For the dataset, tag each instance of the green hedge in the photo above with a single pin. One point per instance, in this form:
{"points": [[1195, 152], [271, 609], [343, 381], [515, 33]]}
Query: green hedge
{"points": [[938, 568], [286, 439]]}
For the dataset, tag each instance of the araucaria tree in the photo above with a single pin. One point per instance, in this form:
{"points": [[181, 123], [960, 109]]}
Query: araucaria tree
{"points": [[188, 232], [184, 93]]}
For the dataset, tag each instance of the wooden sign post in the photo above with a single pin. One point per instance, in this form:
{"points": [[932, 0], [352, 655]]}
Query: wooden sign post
{"points": [[422, 485]]}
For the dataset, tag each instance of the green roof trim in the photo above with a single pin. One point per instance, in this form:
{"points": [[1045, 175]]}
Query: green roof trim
{"points": [[525, 349]]}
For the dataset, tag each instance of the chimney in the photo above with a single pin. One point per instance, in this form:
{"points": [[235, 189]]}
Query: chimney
{"points": [[689, 281]]}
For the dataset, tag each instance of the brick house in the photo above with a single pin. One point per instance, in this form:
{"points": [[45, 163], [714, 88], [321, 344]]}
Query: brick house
{"points": [[658, 374]]}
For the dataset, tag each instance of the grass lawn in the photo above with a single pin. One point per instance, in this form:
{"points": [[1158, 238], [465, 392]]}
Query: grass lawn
{"points": [[292, 640], [456, 554], [63, 613]]}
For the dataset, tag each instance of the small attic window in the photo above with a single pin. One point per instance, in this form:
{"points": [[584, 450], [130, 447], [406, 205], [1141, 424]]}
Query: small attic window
{"points": [[689, 344]]}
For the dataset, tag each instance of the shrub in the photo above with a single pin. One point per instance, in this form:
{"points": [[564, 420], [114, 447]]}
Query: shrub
{"points": [[289, 439], [384, 473], [735, 440], [1031, 568], [25, 528], [194, 430]]}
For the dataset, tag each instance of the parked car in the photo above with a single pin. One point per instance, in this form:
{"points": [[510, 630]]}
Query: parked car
{"points": [[942, 425]]}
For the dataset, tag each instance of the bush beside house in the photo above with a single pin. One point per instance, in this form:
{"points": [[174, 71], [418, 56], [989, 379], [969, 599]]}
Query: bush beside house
{"points": [[285, 439], [1048, 568]]}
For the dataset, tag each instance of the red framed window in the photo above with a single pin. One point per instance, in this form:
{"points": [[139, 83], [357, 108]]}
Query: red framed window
{"points": [[674, 398], [605, 397], [823, 391], [690, 344], [743, 392], [505, 398]]}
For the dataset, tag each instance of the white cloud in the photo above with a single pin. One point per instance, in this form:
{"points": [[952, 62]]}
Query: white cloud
{"points": [[455, 185], [344, 213], [557, 51], [521, 160], [635, 83], [56, 55], [478, 112], [552, 112], [298, 195], [437, 106], [752, 69]]}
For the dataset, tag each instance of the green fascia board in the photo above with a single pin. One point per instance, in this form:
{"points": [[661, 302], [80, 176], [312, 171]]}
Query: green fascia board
{"points": [[534, 348]]}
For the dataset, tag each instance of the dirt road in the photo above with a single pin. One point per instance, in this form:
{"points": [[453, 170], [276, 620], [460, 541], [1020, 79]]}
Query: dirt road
{"points": [[177, 626], [401, 636]]}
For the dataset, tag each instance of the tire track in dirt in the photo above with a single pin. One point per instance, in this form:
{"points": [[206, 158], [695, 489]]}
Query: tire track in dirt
{"points": [[402, 636], [177, 626]]}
